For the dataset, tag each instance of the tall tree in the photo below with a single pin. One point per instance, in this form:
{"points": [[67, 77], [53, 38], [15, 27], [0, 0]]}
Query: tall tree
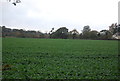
{"points": [[86, 29], [86, 32], [74, 33], [105, 34], [93, 34], [113, 28], [60, 33]]}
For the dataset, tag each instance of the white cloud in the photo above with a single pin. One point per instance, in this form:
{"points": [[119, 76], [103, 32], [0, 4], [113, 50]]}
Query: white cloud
{"points": [[45, 14], [33, 14]]}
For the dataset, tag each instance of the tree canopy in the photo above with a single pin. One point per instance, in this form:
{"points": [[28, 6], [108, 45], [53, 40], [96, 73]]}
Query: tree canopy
{"points": [[63, 33], [60, 33]]}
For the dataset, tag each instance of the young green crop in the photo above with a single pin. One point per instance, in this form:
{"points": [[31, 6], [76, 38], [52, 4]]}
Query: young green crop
{"points": [[60, 58]]}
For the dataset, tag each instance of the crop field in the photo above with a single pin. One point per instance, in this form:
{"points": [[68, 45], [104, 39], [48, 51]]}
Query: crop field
{"points": [[27, 58]]}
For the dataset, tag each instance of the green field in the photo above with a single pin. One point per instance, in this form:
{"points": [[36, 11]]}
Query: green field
{"points": [[60, 58]]}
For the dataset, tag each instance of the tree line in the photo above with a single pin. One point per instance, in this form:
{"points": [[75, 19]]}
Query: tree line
{"points": [[63, 33]]}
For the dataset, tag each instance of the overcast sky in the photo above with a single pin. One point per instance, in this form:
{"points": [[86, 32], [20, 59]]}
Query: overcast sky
{"points": [[43, 15]]}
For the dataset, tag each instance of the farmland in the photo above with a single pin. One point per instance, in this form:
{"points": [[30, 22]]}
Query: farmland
{"points": [[59, 58]]}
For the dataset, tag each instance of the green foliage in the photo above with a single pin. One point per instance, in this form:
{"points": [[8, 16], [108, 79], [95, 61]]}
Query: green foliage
{"points": [[74, 34], [86, 29], [114, 28], [89, 35], [60, 59], [7, 32], [60, 33], [86, 32], [107, 34], [93, 34]]}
